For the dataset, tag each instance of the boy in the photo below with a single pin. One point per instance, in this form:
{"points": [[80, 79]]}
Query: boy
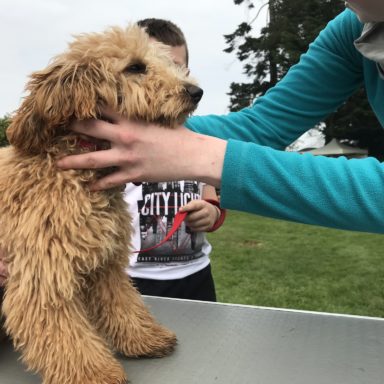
{"points": [[180, 268]]}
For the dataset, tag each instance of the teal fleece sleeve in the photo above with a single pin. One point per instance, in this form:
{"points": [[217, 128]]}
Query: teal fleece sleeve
{"points": [[324, 78], [338, 193], [260, 178]]}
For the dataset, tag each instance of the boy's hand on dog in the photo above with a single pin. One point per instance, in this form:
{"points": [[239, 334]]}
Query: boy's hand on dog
{"points": [[201, 216], [3, 269], [147, 152]]}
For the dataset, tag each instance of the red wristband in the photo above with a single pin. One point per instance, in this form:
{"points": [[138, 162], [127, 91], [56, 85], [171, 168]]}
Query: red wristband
{"points": [[219, 222]]}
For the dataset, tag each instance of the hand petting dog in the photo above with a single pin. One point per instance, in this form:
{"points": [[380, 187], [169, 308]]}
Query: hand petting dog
{"points": [[141, 151]]}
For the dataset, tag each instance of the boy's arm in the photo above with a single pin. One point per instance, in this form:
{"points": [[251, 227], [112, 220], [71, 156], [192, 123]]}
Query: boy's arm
{"points": [[203, 214]]}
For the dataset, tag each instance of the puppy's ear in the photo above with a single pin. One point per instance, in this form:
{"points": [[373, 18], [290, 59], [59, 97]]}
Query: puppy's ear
{"points": [[58, 94]]}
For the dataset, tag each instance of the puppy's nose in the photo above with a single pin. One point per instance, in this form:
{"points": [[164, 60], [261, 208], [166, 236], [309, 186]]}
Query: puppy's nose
{"points": [[194, 92]]}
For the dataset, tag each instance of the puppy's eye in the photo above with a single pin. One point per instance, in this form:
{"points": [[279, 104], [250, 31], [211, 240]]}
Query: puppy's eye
{"points": [[136, 68]]}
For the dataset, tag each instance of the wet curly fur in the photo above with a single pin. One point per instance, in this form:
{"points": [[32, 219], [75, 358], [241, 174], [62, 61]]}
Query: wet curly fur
{"points": [[68, 303]]}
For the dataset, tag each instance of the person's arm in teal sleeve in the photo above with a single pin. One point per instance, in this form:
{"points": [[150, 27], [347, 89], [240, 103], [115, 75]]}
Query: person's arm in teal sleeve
{"points": [[324, 78], [347, 194], [339, 193]]}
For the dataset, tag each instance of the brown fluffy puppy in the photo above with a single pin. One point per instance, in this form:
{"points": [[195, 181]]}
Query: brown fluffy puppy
{"points": [[68, 302]]}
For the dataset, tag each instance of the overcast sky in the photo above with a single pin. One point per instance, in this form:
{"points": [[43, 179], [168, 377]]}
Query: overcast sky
{"points": [[33, 31]]}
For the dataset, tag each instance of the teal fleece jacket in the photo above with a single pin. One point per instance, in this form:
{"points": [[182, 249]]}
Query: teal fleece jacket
{"points": [[259, 177]]}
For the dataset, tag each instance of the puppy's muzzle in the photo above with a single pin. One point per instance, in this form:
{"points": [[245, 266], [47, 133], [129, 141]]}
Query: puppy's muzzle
{"points": [[194, 92]]}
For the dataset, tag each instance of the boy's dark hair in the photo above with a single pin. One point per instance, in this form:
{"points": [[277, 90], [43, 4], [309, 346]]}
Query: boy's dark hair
{"points": [[164, 31]]}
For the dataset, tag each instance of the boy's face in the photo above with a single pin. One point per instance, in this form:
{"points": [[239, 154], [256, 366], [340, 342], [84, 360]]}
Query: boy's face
{"points": [[367, 10], [178, 54]]}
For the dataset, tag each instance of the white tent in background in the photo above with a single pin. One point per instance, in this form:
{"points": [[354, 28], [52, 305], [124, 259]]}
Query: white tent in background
{"points": [[334, 149]]}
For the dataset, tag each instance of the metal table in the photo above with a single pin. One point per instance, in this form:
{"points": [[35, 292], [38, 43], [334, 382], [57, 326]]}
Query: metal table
{"points": [[234, 344]]}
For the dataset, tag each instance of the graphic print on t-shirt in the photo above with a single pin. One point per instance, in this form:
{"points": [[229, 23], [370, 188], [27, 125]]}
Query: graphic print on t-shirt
{"points": [[160, 202]]}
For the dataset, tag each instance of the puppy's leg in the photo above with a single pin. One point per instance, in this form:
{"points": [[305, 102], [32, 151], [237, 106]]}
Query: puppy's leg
{"points": [[54, 336], [117, 310]]}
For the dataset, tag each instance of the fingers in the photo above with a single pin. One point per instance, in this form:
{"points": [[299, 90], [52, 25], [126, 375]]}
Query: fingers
{"points": [[198, 218], [110, 115], [113, 180], [192, 206], [200, 225], [95, 160], [201, 215], [97, 128], [90, 160]]}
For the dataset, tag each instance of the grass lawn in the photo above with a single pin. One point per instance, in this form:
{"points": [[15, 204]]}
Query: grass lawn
{"points": [[276, 263]]}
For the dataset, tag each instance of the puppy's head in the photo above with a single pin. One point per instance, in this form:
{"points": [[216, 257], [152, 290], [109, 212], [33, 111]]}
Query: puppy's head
{"points": [[119, 68]]}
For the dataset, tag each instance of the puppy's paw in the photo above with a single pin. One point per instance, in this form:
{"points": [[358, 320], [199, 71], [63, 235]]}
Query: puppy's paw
{"points": [[161, 344], [103, 374], [111, 375], [156, 341]]}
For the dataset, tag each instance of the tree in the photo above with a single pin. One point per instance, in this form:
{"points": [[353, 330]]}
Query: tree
{"points": [[4, 122], [356, 124], [293, 25]]}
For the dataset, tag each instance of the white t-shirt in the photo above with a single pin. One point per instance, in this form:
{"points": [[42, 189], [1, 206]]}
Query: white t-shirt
{"points": [[153, 207]]}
